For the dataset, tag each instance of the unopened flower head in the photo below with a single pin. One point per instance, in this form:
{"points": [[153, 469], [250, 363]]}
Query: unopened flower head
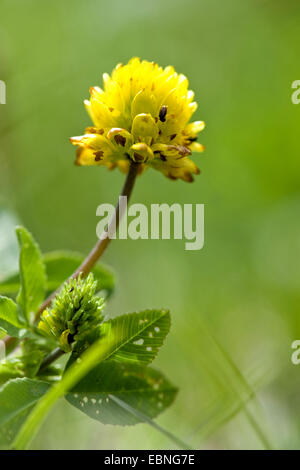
{"points": [[142, 114], [75, 312]]}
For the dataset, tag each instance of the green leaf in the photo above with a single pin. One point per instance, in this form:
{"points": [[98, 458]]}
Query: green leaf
{"points": [[32, 274], [144, 389], [9, 319], [17, 397], [59, 267], [10, 368], [32, 362], [138, 336]]}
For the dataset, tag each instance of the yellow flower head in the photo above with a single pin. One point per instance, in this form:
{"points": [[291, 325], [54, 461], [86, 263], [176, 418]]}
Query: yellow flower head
{"points": [[142, 114]]}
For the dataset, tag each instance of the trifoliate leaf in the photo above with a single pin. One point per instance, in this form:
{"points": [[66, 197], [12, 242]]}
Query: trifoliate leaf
{"points": [[32, 274], [138, 336], [110, 390]]}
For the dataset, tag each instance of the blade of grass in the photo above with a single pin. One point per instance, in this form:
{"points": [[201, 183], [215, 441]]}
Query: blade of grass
{"points": [[215, 418], [250, 392], [179, 443]]}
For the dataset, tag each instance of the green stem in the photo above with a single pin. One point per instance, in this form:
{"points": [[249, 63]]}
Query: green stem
{"points": [[52, 357]]}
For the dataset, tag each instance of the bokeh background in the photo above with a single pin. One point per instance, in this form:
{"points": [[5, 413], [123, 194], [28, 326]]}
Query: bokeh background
{"points": [[235, 303]]}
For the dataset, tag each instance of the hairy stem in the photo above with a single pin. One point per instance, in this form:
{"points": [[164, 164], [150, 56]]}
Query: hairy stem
{"points": [[52, 357], [102, 244]]}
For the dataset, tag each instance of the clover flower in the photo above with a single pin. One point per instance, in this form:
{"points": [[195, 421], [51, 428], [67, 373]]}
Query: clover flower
{"points": [[142, 114], [75, 312]]}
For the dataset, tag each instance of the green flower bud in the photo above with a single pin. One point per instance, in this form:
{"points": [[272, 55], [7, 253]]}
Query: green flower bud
{"points": [[74, 314]]}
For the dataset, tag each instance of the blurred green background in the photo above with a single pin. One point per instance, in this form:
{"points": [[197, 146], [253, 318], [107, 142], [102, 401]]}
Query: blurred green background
{"points": [[241, 291]]}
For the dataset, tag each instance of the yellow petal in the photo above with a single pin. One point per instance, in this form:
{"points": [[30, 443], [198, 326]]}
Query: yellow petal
{"points": [[64, 341], [194, 128], [144, 127], [143, 102], [93, 149], [120, 137], [196, 147], [102, 115], [141, 153], [173, 151], [86, 157]]}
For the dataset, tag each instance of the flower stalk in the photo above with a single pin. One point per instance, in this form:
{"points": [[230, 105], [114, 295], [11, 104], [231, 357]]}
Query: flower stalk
{"points": [[85, 268]]}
